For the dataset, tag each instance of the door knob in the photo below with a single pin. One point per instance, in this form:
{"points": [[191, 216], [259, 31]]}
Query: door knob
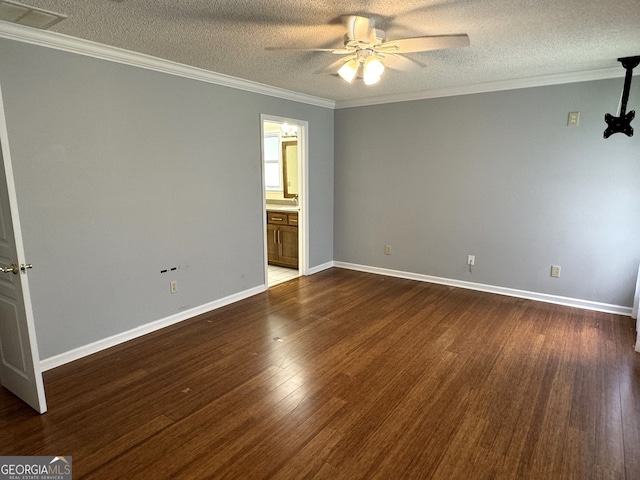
{"points": [[13, 268]]}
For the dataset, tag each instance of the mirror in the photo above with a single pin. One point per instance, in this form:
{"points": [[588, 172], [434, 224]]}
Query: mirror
{"points": [[290, 168]]}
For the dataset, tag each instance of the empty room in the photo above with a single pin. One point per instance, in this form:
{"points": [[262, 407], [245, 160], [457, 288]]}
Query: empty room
{"points": [[356, 239]]}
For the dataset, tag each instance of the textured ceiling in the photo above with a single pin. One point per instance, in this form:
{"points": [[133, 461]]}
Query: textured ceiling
{"points": [[510, 39]]}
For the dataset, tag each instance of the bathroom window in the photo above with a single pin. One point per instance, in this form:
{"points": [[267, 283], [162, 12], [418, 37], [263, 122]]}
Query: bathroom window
{"points": [[272, 162]]}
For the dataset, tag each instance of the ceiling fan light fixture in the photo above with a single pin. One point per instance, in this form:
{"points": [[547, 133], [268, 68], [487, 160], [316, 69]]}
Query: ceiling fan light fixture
{"points": [[349, 70], [289, 130], [366, 48], [373, 67], [372, 70], [370, 80]]}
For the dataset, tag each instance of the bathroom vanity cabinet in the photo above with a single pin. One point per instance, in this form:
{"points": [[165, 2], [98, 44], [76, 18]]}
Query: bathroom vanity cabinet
{"points": [[282, 238]]}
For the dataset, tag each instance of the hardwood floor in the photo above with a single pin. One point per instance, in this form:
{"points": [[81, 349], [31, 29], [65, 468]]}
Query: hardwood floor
{"points": [[350, 375]]}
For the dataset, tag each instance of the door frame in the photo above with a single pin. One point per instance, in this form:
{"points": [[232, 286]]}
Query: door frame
{"points": [[41, 405], [303, 185]]}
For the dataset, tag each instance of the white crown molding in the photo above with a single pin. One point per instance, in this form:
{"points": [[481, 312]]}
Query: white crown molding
{"points": [[540, 81], [59, 41], [510, 292], [88, 48]]}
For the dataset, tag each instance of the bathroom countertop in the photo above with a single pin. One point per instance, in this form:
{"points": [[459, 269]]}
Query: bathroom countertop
{"points": [[282, 208]]}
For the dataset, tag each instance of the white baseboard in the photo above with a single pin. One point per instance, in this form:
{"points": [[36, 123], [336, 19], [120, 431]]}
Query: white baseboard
{"points": [[511, 292], [77, 353], [85, 350], [320, 268]]}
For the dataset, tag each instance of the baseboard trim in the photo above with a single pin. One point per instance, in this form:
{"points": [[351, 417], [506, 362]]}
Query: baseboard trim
{"points": [[77, 353], [320, 268], [511, 292], [80, 352]]}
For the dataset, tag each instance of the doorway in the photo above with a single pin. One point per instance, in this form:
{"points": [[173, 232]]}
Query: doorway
{"points": [[285, 207]]}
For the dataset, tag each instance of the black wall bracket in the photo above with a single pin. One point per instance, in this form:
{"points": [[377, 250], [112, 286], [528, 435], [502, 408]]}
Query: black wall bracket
{"points": [[622, 123]]}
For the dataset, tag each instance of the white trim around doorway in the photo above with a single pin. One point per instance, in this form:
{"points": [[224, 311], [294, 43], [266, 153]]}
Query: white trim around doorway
{"points": [[303, 200]]}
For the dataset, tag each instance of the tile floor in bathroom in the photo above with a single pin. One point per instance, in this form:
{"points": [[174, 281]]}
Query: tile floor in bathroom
{"points": [[281, 274]]}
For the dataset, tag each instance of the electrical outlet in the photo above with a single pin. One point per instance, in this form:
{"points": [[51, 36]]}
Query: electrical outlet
{"points": [[574, 119], [174, 286], [555, 271], [471, 260], [387, 249]]}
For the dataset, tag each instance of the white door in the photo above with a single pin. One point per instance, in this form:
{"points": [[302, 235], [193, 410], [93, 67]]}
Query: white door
{"points": [[20, 363]]}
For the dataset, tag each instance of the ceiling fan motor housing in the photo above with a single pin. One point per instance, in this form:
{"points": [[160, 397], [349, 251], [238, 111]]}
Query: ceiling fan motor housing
{"points": [[349, 40]]}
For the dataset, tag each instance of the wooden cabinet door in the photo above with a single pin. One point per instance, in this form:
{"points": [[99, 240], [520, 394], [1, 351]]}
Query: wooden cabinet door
{"points": [[273, 247], [288, 245], [282, 239]]}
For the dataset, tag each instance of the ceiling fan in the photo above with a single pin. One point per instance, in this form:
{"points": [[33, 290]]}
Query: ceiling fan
{"points": [[366, 50]]}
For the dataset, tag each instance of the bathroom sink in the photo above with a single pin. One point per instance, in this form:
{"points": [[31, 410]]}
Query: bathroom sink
{"points": [[282, 208]]}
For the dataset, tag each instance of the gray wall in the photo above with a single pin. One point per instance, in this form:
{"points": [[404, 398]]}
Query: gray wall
{"points": [[499, 176], [121, 172]]}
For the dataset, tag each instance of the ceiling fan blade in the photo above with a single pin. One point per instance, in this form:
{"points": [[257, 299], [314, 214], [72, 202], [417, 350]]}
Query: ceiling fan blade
{"points": [[424, 44], [401, 63], [333, 67], [337, 51]]}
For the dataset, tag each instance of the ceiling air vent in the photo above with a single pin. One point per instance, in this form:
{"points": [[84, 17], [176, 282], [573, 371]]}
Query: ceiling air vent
{"points": [[21, 14]]}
